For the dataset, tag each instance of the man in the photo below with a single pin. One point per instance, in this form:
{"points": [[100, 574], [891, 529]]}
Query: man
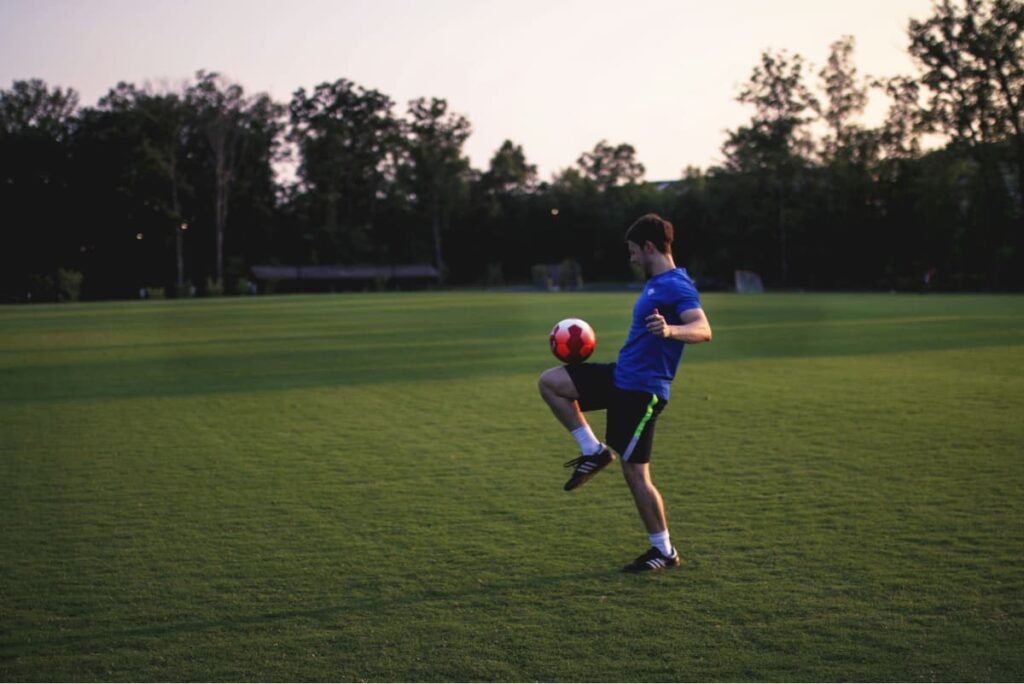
{"points": [[635, 390]]}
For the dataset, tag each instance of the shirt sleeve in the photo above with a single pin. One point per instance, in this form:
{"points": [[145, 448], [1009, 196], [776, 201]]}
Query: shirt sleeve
{"points": [[687, 298]]}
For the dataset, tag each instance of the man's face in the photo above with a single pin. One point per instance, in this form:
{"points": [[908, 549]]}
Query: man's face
{"points": [[637, 256]]}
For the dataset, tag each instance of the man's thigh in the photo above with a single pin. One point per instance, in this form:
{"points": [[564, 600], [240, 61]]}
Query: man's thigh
{"points": [[631, 420], [594, 383]]}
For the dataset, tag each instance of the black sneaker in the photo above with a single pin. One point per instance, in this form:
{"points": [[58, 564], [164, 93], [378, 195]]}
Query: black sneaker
{"points": [[589, 466], [653, 560]]}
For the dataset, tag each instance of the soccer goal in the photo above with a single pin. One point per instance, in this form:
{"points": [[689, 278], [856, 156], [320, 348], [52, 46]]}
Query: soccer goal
{"points": [[748, 281]]}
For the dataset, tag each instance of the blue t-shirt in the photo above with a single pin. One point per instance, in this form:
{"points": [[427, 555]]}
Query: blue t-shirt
{"points": [[648, 363]]}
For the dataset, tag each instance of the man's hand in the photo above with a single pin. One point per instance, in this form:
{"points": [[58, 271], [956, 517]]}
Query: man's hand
{"points": [[694, 329], [656, 325]]}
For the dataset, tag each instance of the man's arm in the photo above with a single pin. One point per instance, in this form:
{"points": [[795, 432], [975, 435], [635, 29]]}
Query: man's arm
{"points": [[694, 329]]}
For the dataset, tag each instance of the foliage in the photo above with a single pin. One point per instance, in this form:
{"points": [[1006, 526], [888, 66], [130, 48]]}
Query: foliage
{"points": [[163, 188], [32, 107], [349, 144], [434, 168], [608, 166], [69, 284], [213, 288], [972, 52]]}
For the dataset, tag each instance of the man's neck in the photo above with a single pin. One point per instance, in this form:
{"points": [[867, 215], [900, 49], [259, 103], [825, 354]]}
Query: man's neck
{"points": [[662, 264]]}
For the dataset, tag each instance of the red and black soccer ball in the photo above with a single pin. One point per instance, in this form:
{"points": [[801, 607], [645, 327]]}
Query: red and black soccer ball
{"points": [[572, 340]]}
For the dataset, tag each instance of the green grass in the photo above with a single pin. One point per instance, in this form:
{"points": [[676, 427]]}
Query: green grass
{"points": [[369, 488]]}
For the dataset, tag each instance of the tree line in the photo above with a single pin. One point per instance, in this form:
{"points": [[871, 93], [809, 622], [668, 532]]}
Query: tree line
{"points": [[176, 190]]}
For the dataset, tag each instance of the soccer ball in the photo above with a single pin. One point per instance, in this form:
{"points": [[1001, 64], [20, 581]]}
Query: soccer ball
{"points": [[572, 340]]}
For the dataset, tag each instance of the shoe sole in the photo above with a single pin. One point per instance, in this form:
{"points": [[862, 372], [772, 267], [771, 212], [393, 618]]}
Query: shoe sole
{"points": [[639, 571], [576, 483]]}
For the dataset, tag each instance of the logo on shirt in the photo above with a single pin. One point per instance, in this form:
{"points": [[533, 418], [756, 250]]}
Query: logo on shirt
{"points": [[650, 293]]}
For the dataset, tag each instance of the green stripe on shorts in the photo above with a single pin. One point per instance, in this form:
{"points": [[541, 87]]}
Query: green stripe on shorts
{"points": [[640, 428]]}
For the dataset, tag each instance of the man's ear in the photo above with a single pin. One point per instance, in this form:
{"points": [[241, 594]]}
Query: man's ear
{"points": [[649, 247]]}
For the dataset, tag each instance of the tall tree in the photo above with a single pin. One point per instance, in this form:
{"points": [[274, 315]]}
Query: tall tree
{"points": [[501, 215], [773, 149], [228, 122], [32, 107], [36, 125], [219, 106], [611, 165], [900, 134], [972, 54], [348, 140], [776, 134], [435, 169], [849, 152], [158, 124], [508, 171], [845, 97]]}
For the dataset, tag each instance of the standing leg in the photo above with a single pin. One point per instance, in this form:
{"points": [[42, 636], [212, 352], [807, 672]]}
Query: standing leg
{"points": [[646, 496], [649, 504], [661, 555]]}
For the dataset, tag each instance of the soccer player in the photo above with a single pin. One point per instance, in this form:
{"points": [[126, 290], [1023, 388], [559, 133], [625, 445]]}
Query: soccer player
{"points": [[635, 390]]}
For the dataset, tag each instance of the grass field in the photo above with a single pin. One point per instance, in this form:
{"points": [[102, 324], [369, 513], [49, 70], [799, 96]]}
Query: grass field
{"points": [[368, 487]]}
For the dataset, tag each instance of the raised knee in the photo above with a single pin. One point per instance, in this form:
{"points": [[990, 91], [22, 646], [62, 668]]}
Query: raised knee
{"points": [[550, 381], [544, 381]]}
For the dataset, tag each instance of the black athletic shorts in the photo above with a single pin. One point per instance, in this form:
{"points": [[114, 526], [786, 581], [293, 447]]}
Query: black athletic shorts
{"points": [[631, 414]]}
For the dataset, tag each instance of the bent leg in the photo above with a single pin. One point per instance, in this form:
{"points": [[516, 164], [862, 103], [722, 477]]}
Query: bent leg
{"points": [[559, 391], [646, 496]]}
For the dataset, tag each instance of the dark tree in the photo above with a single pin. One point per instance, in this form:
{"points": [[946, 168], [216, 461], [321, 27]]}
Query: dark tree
{"points": [[771, 152], [435, 171], [38, 222], [348, 139], [609, 166], [229, 122]]}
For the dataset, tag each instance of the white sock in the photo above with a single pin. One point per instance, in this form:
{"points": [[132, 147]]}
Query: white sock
{"points": [[660, 541], [585, 438]]}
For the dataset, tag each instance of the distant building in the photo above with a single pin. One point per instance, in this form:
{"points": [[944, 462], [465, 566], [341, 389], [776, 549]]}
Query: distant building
{"points": [[344, 277]]}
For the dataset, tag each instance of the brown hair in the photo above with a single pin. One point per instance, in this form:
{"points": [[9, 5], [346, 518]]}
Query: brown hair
{"points": [[654, 228]]}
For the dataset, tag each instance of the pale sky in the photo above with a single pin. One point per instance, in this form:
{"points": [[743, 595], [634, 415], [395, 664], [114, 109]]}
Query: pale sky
{"points": [[554, 76]]}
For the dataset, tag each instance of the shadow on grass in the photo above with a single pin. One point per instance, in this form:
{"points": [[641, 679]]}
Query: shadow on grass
{"points": [[241, 371], [491, 591]]}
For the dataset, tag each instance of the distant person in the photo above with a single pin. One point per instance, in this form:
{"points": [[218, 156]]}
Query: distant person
{"points": [[635, 390], [926, 281]]}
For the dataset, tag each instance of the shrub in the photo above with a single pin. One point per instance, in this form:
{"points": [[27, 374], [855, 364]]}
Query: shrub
{"points": [[570, 275], [69, 284], [540, 275], [186, 289], [41, 288], [494, 275]]}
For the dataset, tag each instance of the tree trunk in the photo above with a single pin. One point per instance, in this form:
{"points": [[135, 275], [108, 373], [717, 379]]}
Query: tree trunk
{"points": [[435, 219], [221, 213], [782, 237], [178, 237]]}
